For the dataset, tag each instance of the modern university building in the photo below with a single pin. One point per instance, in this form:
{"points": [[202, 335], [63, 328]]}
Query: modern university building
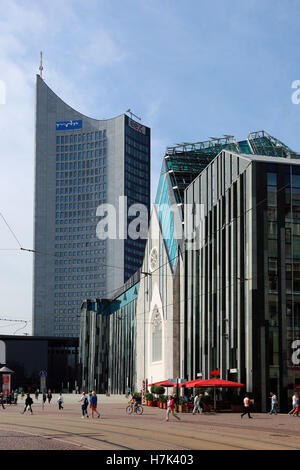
{"points": [[223, 293], [82, 163]]}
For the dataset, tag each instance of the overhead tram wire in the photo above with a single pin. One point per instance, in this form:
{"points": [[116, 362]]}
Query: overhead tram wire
{"points": [[213, 233], [10, 229], [15, 321], [176, 256]]}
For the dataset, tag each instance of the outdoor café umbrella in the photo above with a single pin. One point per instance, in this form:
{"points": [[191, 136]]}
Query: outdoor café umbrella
{"points": [[164, 383], [214, 383]]}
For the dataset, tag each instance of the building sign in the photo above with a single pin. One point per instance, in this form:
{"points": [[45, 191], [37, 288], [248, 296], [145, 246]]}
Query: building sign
{"points": [[5, 383], [136, 126], [68, 125]]}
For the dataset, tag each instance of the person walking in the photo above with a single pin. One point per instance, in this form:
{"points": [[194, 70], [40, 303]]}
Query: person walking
{"points": [[44, 398], [246, 406], [16, 397], [197, 404], [60, 401], [294, 399], [297, 405], [49, 396], [273, 403], [2, 401], [171, 409], [37, 394], [84, 405], [93, 404], [28, 403]]}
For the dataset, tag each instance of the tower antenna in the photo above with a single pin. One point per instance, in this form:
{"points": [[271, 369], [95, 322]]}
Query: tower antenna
{"points": [[41, 64]]}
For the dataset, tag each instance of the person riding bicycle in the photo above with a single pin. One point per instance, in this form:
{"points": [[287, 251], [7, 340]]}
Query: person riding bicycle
{"points": [[134, 402]]}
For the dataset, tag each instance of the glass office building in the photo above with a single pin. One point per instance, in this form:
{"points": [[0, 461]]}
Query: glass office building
{"points": [[81, 164], [242, 309], [30, 356], [107, 344]]}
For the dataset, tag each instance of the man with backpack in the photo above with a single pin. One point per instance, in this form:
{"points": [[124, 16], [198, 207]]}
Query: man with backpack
{"points": [[84, 405]]}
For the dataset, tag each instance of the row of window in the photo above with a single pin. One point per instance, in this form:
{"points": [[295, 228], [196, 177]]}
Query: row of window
{"points": [[88, 137], [92, 285], [87, 184], [78, 229], [77, 278], [75, 222], [78, 302], [80, 295], [81, 187], [76, 197], [66, 319], [60, 254], [77, 261], [81, 147], [68, 214], [83, 269], [93, 159], [99, 174], [79, 245], [79, 205], [66, 327]]}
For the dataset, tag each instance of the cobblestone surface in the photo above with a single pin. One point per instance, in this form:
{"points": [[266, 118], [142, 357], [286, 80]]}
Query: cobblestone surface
{"points": [[52, 429]]}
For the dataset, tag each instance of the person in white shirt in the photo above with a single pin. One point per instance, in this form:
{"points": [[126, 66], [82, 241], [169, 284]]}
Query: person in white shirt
{"points": [[84, 405], [246, 404], [273, 403], [60, 401], [294, 399], [197, 407]]}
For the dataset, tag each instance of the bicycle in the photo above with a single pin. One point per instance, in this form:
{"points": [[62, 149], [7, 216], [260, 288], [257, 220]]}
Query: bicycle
{"points": [[134, 409]]}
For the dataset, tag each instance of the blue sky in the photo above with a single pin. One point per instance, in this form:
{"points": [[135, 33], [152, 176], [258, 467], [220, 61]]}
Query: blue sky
{"points": [[191, 69]]}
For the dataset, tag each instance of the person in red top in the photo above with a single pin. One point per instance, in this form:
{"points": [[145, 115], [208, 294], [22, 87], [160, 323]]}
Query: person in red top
{"points": [[246, 406], [171, 408]]}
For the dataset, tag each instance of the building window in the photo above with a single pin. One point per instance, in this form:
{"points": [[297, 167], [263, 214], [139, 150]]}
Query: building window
{"points": [[156, 334]]}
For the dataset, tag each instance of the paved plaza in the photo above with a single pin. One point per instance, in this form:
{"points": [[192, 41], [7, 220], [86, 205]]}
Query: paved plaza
{"points": [[51, 429]]}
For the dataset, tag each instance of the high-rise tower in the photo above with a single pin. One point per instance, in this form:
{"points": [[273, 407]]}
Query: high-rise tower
{"points": [[80, 164]]}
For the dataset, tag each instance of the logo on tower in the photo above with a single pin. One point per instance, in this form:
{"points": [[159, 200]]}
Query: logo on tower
{"points": [[68, 125]]}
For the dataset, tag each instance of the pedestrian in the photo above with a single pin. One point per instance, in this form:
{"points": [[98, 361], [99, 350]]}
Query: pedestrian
{"points": [[60, 401], [294, 399], [273, 403], [84, 405], [49, 396], [16, 397], [297, 405], [197, 404], [44, 398], [93, 404], [171, 409], [28, 403], [2, 401], [37, 394], [246, 406]]}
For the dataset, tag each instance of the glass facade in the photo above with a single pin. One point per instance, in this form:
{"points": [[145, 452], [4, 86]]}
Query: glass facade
{"points": [[137, 189], [108, 341], [81, 164], [28, 356], [81, 179], [242, 284]]}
